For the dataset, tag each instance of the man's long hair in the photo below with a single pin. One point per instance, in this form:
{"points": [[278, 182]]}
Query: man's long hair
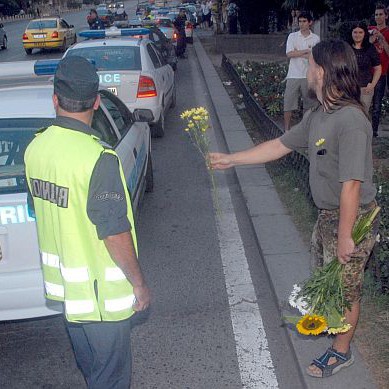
{"points": [[340, 83]]}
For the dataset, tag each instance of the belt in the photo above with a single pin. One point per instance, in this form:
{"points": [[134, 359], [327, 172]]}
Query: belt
{"points": [[362, 207]]}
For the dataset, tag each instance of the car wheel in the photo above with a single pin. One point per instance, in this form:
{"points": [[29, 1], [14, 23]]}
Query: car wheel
{"points": [[28, 51], [174, 97], [63, 47], [5, 42], [149, 175], [158, 129]]}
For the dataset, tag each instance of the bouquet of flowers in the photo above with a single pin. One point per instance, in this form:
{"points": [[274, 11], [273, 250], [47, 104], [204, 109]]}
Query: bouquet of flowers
{"points": [[198, 124], [321, 298]]}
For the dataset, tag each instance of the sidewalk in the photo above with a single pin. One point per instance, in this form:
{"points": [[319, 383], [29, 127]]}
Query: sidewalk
{"points": [[284, 253]]}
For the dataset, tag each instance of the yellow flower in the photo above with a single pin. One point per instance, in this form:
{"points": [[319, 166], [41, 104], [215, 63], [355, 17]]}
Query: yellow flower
{"points": [[191, 125], [186, 130], [320, 142], [311, 325], [196, 117], [339, 330]]}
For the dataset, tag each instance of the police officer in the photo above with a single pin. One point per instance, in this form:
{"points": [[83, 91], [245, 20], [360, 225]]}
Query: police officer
{"points": [[86, 229], [95, 23]]}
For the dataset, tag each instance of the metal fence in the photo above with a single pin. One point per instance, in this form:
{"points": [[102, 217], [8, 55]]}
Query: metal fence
{"points": [[298, 163]]}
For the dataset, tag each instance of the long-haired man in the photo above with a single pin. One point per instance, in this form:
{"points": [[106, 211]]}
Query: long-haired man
{"points": [[337, 135]]}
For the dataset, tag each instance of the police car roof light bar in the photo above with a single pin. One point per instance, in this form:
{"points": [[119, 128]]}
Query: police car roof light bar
{"points": [[46, 67], [112, 32]]}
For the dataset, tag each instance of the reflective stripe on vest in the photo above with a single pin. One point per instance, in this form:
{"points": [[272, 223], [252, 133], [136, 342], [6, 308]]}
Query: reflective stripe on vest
{"points": [[54, 289], [114, 274], [76, 307], [119, 304], [51, 260], [75, 274]]}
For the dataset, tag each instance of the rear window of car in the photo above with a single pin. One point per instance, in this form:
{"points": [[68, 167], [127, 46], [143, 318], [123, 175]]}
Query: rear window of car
{"points": [[41, 24], [165, 23], [111, 58], [15, 135]]}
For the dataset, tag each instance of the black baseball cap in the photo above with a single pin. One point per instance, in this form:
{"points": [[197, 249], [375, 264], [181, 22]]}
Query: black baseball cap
{"points": [[76, 79]]}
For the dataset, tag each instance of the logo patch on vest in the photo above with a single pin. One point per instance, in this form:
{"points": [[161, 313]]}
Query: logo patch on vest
{"points": [[49, 191], [109, 196]]}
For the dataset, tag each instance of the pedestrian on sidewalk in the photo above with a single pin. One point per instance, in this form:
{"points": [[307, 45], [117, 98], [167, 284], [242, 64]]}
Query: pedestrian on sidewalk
{"points": [[298, 47], [379, 37], [232, 12], [369, 64], [337, 135], [86, 231]]}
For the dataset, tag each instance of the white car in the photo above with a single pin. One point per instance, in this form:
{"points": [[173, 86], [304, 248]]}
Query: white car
{"points": [[131, 68], [25, 108]]}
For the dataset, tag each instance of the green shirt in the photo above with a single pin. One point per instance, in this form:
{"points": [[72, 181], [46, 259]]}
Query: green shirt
{"points": [[339, 149]]}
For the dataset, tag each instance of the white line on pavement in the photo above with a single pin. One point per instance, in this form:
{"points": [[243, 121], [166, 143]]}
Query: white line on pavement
{"points": [[255, 362]]}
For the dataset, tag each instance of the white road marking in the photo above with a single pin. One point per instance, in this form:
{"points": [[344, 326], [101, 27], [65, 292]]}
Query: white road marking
{"points": [[254, 358]]}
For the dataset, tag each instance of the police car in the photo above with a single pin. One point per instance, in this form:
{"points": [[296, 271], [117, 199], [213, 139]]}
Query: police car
{"points": [[26, 106], [131, 67]]}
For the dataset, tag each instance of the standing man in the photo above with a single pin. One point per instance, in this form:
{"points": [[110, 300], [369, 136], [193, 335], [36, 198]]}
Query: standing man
{"points": [[232, 12], [337, 135], [86, 230], [298, 49], [95, 23], [380, 39]]}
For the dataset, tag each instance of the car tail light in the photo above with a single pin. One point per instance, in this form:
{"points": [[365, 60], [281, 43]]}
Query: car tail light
{"points": [[54, 34], [25, 37], [146, 87], [175, 36]]}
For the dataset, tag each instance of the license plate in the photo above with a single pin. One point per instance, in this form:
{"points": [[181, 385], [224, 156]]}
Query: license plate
{"points": [[39, 36], [40, 44], [113, 90]]}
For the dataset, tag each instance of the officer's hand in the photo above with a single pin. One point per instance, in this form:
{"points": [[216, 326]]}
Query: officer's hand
{"points": [[220, 161], [143, 297], [346, 248]]}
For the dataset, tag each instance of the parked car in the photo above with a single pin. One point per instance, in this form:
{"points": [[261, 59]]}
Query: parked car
{"points": [[48, 33], [131, 68], [27, 108], [165, 38], [3, 37], [106, 16]]}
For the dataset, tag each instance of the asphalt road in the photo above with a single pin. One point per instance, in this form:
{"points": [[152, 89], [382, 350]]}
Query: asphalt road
{"points": [[195, 335]]}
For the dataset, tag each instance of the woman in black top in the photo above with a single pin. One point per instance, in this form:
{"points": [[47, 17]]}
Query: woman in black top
{"points": [[368, 62]]}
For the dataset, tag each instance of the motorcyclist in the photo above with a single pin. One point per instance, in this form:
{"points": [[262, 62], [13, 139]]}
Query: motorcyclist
{"points": [[179, 24]]}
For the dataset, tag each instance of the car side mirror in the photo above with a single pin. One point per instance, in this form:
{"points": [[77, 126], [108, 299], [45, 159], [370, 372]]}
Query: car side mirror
{"points": [[143, 115]]}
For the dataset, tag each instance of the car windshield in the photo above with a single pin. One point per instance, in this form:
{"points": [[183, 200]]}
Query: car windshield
{"points": [[165, 23], [41, 24], [15, 135], [111, 58]]}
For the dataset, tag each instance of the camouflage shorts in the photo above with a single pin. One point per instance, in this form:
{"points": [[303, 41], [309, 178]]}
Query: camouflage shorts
{"points": [[324, 246]]}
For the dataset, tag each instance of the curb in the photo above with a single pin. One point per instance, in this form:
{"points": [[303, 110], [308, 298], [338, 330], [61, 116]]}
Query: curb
{"points": [[287, 263]]}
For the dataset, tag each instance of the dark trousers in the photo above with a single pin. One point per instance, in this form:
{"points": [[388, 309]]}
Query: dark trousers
{"points": [[103, 353], [181, 43], [233, 24], [379, 92]]}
